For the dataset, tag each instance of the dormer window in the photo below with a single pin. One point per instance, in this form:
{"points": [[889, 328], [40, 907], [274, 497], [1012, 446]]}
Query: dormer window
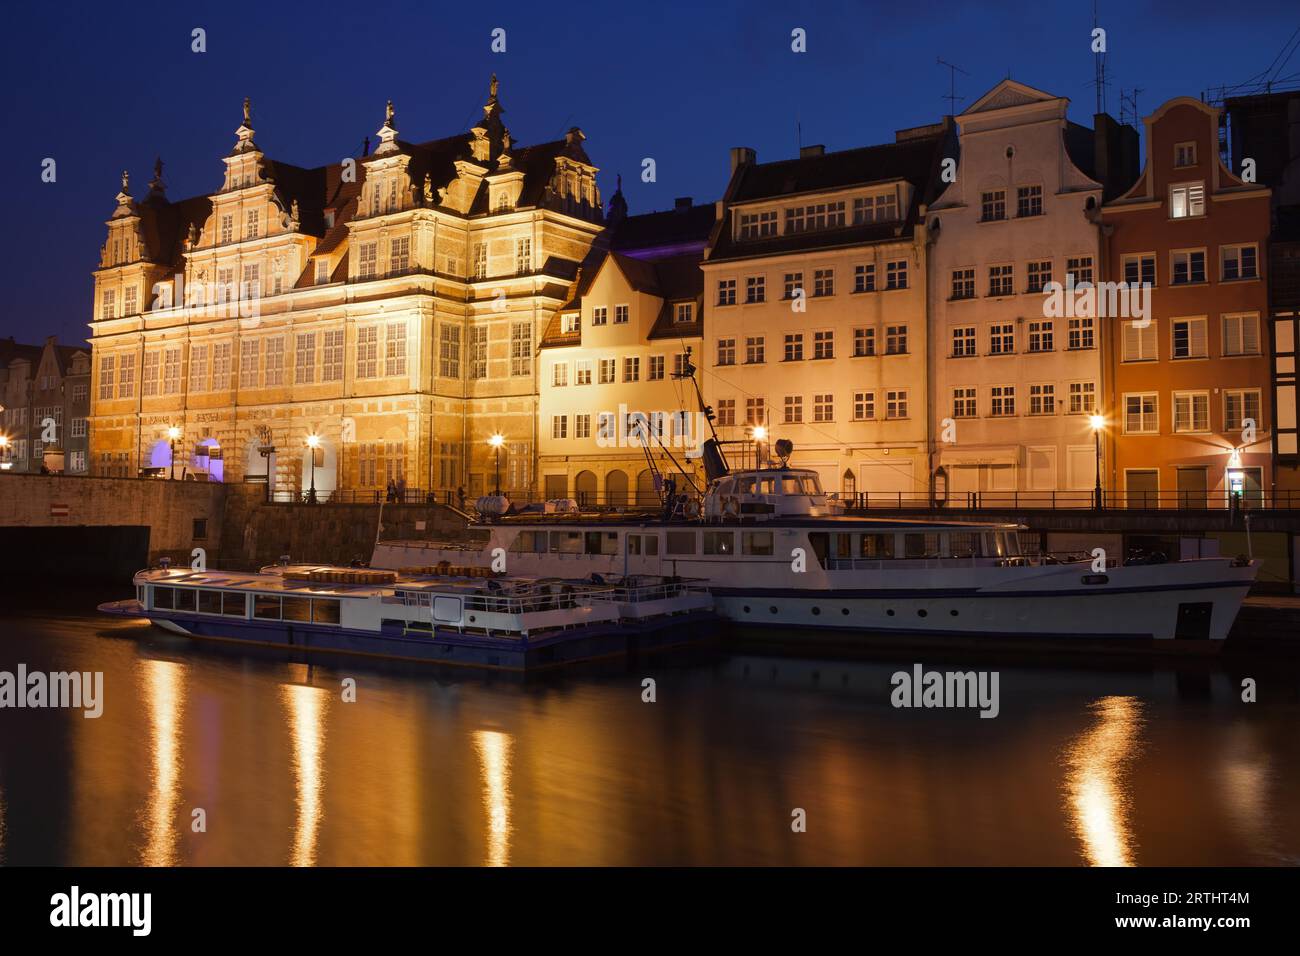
{"points": [[757, 225], [814, 217], [683, 313], [1185, 154], [570, 323], [322, 271], [868, 209], [1187, 200]]}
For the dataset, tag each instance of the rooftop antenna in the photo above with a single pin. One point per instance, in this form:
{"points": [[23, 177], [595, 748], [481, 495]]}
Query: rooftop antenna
{"points": [[953, 70], [1128, 106], [1100, 67]]}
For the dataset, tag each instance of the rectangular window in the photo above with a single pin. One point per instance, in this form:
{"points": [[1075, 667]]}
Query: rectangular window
{"points": [[582, 426], [480, 254], [1080, 333], [755, 289], [600, 315], [794, 347], [726, 292], [108, 304], [824, 407], [1140, 270], [793, 409], [366, 266], [1041, 337], [726, 411], [631, 369], [1241, 334], [1187, 266], [1185, 154], [1191, 411], [399, 255], [559, 426], [993, 205], [864, 342], [149, 374], [1139, 342], [304, 372], [1083, 397], [684, 313], [823, 282], [332, 358], [570, 324], [608, 371], [79, 429], [227, 228], [1042, 399], [656, 368], [253, 224], [1188, 338], [521, 349], [1029, 201], [963, 341], [198, 368], [1003, 400], [172, 371], [726, 352], [395, 349], [620, 314], [449, 351], [1002, 339], [1239, 405], [793, 284], [368, 351], [824, 345], [322, 271], [963, 283], [1002, 280], [864, 278], [1081, 268], [896, 403], [964, 402], [126, 376], [275, 361], [560, 375], [129, 301], [822, 215], [755, 411], [582, 372], [1140, 414], [881, 208], [523, 255], [1040, 273], [1187, 200], [478, 353], [864, 406], [757, 225], [896, 340], [754, 350], [896, 274], [1237, 262]]}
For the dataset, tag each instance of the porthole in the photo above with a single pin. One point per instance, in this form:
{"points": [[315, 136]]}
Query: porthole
{"points": [[816, 611], [472, 619], [953, 612], [890, 612], [746, 608], [772, 609], [844, 611], [922, 612]]}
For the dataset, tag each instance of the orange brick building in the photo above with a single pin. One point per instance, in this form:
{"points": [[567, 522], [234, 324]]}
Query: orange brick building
{"points": [[1187, 383]]}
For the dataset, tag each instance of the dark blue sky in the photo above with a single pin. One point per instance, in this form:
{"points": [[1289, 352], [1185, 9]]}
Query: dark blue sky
{"points": [[110, 86]]}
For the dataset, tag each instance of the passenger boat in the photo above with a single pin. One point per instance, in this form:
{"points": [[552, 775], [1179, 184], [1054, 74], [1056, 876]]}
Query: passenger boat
{"points": [[438, 614], [777, 552]]}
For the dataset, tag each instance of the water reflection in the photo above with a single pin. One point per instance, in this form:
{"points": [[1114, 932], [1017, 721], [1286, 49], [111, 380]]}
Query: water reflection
{"points": [[494, 754], [306, 706], [1244, 778], [164, 693], [1098, 762]]}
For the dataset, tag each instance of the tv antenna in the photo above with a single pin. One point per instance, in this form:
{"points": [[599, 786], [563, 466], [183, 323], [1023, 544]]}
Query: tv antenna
{"points": [[1128, 106], [1100, 67], [953, 70]]}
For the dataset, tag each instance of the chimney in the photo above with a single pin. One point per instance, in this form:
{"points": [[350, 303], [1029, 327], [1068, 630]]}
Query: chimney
{"points": [[741, 155], [681, 203], [807, 152], [1115, 155]]}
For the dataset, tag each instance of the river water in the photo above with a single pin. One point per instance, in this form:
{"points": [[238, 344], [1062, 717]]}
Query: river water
{"points": [[207, 755]]}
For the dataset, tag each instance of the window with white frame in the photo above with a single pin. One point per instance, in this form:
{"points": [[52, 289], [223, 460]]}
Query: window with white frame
{"points": [[1140, 414], [1002, 400], [726, 352], [582, 372], [275, 361], [253, 224], [814, 216], [755, 289], [1002, 280], [1041, 336], [621, 313], [1042, 399], [963, 283], [1239, 406], [1039, 273], [1083, 397], [1081, 332], [896, 403], [823, 282], [582, 426], [864, 406], [993, 205], [78, 427], [172, 371], [399, 255], [1191, 411], [368, 260], [1241, 334], [726, 411], [608, 370], [322, 271], [1188, 338], [758, 225], [480, 255], [198, 368], [1187, 266], [1081, 267], [560, 374], [1187, 200], [1185, 154], [726, 292], [794, 347], [228, 228], [896, 274], [523, 255], [331, 356], [864, 278], [631, 369], [1239, 262], [963, 341], [1139, 341], [864, 342], [755, 351], [449, 350], [570, 323], [824, 344], [793, 409], [793, 284], [655, 368], [149, 374], [248, 363], [965, 402], [395, 349], [824, 407], [521, 349], [304, 372], [367, 351], [559, 426], [1029, 201], [1002, 338], [600, 315], [684, 313]]}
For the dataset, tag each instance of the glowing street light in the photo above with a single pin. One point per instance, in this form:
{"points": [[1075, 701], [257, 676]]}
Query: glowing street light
{"points": [[173, 433], [760, 433], [313, 442], [496, 441], [1098, 422], [5, 463]]}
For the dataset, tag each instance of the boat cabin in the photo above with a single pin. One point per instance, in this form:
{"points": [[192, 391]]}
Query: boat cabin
{"points": [[769, 493]]}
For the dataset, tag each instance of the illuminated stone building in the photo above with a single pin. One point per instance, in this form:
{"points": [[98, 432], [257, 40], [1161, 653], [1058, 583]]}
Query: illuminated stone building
{"points": [[390, 304]]}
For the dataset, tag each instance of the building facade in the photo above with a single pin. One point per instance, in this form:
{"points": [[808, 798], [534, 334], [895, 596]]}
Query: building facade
{"points": [[389, 305], [1189, 413], [815, 310], [45, 393], [1015, 374], [616, 402]]}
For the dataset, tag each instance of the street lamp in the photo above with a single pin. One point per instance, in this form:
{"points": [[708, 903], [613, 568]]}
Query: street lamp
{"points": [[173, 433], [5, 463], [496, 441], [1098, 422], [313, 442]]}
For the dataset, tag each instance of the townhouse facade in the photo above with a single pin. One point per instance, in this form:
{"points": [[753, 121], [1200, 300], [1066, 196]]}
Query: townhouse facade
{"points": [[45, 393], [389, 305], [815, 310], [617, 403], [1015, 368], [1189, 414]]}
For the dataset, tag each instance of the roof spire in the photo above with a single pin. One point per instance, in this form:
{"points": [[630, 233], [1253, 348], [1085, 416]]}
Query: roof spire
{"points": [[388, 132], [245, 144], [617, 204], [157, 187]]}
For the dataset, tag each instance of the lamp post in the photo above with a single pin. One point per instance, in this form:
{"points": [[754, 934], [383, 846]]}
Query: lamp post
{"points": [[173, 433], [496, 441], [5, 463], [760, 436], [313, 442], [1097, 422]]}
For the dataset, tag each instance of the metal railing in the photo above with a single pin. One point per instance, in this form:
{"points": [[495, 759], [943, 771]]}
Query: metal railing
{"points": [[1281, 500]]}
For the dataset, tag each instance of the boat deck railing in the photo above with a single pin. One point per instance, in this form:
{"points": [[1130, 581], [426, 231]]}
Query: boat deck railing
{"points": [[635, 593]]}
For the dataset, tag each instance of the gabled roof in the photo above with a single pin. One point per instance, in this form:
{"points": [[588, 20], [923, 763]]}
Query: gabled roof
{"points": [[1007, 94]]}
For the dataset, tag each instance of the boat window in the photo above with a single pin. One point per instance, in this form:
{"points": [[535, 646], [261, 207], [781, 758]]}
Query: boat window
{"points": [[297, 609], [766, 486], [820, 544], [812, 485], [566, 542], [756, 542], [963, 544], [921, 545], [876, 546], [163, 597], [529, 542], [634, 544], [725, 486], [745, 486], [681, 542], [1013, 543], [601, 542], [266, 607], [209, 601], [324, 611], [843, 544], [651, 545], [233, 605], [719, 542], [185, 599], [994, 546]]}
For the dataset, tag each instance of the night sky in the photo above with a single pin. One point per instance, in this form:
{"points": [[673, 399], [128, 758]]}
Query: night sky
{"points": [[113, 85]]}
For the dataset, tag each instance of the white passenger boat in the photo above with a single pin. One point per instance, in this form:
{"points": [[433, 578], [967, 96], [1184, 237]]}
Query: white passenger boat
{"points": [[777, 552], [440, 615]]}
